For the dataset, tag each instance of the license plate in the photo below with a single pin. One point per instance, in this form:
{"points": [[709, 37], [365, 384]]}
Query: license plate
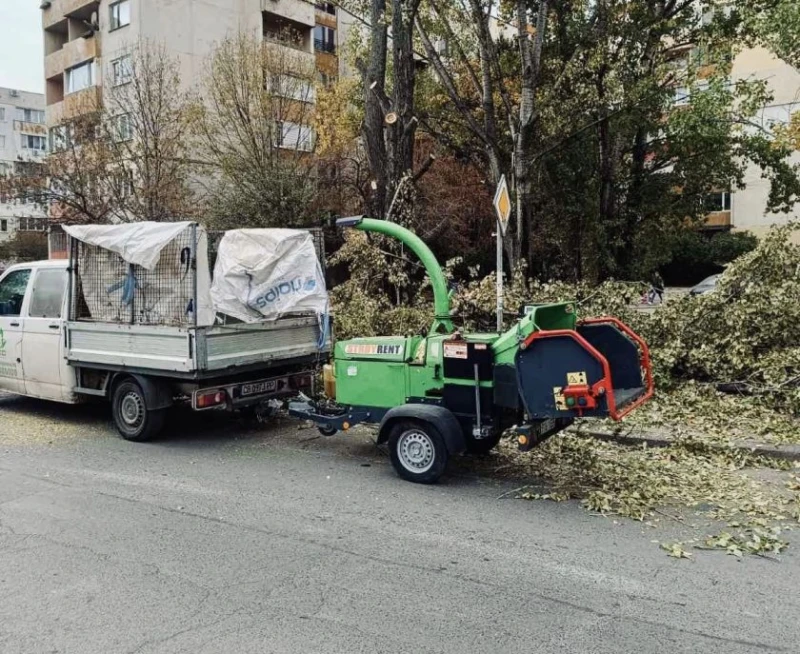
{"points": [[257, 388]]}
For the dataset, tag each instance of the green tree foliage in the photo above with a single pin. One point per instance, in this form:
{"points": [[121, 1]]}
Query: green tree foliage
{"points": [[628, 122], [776, 24]]}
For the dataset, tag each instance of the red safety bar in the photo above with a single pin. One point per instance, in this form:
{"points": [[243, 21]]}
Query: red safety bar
{"points": [[605, 384], [644, 359]]}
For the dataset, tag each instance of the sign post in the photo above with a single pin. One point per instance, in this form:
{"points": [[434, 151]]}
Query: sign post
{"points": [[502, 205]]}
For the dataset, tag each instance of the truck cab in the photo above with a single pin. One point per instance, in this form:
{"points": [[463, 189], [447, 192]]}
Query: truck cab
{"points": [[32, 317]]}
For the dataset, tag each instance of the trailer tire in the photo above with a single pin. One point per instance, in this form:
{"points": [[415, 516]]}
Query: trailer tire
{"points": [[418, 451], [133, 420]]}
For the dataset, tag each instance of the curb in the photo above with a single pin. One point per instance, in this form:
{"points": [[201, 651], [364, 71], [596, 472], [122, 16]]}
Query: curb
{"points": [[656, 439]]}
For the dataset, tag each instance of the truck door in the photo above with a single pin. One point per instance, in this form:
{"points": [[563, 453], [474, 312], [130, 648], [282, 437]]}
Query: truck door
{"points": [[13, 286], [43, 359]]}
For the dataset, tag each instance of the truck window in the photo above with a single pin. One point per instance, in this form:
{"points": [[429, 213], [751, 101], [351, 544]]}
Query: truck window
{"points": [[48, 294], [12, 292]]}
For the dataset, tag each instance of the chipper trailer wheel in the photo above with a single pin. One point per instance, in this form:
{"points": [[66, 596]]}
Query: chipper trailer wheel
{"points": [[418, 451]]}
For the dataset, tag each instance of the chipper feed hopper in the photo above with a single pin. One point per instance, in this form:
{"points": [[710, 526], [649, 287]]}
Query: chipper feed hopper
{"points": [[443, 393]]}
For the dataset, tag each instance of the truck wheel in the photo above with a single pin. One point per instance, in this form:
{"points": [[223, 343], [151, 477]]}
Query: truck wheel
{"points": [[133, 420], [482, 445], [418, 451]]}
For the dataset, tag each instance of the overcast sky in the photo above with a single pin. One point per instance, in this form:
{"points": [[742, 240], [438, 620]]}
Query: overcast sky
{"points": [[21, 48]]}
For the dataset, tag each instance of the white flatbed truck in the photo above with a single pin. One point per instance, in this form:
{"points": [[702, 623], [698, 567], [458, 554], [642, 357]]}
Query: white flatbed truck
{"points": [[143, 370]]}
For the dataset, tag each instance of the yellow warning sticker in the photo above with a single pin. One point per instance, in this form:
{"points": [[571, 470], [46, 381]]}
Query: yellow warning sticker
{"points": [[576, 379]]}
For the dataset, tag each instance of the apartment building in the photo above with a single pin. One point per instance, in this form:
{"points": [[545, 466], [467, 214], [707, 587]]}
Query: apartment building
{"points": [[23, 141], [86, 41], [747, 208]]}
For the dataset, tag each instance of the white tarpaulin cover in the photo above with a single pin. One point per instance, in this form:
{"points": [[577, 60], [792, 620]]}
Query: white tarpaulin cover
{"points": [[159, 288], [266, 273], [138, 243]]}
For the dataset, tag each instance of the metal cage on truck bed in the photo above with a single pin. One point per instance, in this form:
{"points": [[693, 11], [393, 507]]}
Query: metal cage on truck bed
{"points": [[122, 315]]}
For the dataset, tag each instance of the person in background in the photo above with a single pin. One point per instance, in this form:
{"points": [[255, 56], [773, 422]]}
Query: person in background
{"points": [[657, 288]]}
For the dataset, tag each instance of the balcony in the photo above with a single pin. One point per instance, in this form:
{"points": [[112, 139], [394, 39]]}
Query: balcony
{"points": [[718, 220], [74, 104], [73, 53], [325, 47], [58, 10], [296, 11], [287, 33], [325, 14], [30, 128]]}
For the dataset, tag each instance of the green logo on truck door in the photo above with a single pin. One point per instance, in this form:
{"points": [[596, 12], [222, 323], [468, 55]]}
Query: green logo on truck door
{"points": [[2, 343]]}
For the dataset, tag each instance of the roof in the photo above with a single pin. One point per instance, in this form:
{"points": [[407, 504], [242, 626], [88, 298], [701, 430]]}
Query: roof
{"points": [[50, 263]]}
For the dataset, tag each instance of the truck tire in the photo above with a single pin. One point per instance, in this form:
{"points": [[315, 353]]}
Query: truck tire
{"points": [[133, 420], [417, 451]]}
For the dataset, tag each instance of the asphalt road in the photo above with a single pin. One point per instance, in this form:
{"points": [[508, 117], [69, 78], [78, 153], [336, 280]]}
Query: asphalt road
{"points": [[227, 539]]}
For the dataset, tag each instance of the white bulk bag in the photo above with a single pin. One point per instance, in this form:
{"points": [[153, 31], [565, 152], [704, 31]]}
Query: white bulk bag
{"points": [[262, 274]]}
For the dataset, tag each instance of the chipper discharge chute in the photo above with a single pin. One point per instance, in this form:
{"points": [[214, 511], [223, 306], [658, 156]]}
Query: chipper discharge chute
{"points": [[444, 392]]}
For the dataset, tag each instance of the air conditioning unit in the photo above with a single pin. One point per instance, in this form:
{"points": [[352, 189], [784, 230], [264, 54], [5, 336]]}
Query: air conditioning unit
{"points": [[45, 5], [13, 93]]}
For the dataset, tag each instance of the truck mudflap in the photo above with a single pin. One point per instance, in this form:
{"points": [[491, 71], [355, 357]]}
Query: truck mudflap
{"points": [[600, 369]]}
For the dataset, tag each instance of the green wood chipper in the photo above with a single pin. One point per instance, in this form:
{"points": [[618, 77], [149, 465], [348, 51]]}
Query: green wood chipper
{"points": [[443, 393]]}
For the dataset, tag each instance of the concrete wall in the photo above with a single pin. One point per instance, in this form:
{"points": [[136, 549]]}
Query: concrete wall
{"points": [[749, 205]]}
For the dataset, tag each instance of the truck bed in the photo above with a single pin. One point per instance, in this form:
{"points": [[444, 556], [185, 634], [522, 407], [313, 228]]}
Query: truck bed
{"points": [[193, 352]]}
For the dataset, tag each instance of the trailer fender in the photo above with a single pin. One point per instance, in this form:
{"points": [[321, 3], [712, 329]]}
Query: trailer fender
{"points": [[157, 394], [441, 418]]}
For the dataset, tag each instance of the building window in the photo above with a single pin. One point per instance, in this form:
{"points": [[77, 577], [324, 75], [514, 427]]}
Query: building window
{"points": [[123, 128], [292, 136], [30, 115], [324, 39], [81, 77], [326, 8], [3, 225], [290, 86], [59, 138], [126, 189], [121, 70], [27, 224], [718, 201], [681, 96], [120, 14], [2, 113], [32, 142], [2, 142]]}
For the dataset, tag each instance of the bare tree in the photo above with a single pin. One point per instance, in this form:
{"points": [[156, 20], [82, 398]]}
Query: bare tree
{"points": [[147, 122], [76, 180], [390, 120], [122, 158], [255, 133]]}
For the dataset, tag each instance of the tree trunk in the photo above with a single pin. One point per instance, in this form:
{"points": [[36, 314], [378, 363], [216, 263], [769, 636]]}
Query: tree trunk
{"points": [[524, 143], [374, 99]]}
